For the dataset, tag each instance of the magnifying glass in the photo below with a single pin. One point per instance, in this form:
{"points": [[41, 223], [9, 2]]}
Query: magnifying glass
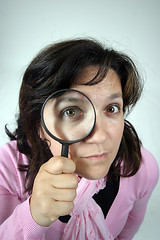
{"points": [[68, 116]]}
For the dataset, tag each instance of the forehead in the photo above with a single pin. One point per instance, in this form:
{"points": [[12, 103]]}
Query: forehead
{"points": [[86, 74], [110, 84]]}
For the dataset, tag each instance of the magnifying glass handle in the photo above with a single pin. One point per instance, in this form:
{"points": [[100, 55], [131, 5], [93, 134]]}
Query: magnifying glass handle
{"points": [[64, 152]]}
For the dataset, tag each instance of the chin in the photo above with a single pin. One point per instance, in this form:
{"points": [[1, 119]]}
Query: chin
{"points": [[93, 176]]}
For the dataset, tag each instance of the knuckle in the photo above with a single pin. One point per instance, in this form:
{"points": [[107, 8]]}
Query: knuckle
{"points": [[64, 208], [39, 193], [60, 164], [69, 207], [73, 194], [74, 181], [49, 210], [43, 167], [45, 210]]}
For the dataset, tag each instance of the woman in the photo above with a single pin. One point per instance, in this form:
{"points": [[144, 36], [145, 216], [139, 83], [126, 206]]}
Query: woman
{"points": [[102, 189]]}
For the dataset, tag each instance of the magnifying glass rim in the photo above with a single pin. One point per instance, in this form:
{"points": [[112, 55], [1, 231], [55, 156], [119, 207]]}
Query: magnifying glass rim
{"points": [[56, 138]]}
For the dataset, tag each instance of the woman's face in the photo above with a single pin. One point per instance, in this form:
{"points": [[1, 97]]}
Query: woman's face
{"points": [[94, 155]]}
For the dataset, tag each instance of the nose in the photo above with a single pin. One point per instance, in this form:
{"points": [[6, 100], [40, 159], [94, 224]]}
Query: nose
{"points": [[99, 133]]}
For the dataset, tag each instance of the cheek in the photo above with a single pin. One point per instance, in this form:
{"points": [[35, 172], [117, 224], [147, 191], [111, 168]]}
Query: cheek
{"points": [[55, 148], [121, 129], [115, 134], [118, 133], [75, 150]]}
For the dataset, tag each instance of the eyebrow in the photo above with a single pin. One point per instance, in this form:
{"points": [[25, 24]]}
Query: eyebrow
{"points": [[71, 100], [115, 95]]}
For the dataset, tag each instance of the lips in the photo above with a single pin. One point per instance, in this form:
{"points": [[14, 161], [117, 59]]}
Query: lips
{"points": [[97, 156]]}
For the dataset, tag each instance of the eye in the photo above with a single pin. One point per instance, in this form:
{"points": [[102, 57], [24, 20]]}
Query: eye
{"points": [[71, 113], [112, 109]]}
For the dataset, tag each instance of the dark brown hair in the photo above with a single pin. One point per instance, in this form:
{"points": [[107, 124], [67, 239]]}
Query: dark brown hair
{"points": [[55, 68]]}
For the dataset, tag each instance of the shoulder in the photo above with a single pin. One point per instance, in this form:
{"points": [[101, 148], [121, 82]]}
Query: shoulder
{"points": [[148, 174], [149, 166], [10, 177], [142, 184], [9, 155]]}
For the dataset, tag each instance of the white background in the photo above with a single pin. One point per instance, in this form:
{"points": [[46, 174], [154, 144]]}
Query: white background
{"points": [[130, 26]]}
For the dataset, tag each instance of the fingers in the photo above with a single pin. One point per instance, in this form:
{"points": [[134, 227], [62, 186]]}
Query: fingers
{"points": [[67, 181], [63, 208], [54, 190], [63, 195], [58, 165], [51, 211]]}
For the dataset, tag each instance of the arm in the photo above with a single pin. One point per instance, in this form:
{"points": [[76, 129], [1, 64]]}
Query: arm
{"points": [[134, 220], [19, 225], [147, 179], [15, 218], [24, 219]]}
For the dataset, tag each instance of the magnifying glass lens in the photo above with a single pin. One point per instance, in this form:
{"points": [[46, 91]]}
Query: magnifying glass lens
{"points": [[68, 116]]}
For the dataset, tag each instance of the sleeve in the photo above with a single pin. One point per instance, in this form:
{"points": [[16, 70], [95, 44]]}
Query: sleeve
{"points": [[20, 225], [15, 218], [148, 178]]}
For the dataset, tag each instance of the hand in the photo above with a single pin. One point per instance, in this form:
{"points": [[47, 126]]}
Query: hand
{"points": [[54, 190]]}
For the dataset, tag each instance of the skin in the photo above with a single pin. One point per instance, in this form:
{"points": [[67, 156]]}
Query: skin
{"points": [[55, 185]]}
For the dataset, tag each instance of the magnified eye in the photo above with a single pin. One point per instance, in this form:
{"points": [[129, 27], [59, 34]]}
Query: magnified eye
{"points": [[71, 113]]}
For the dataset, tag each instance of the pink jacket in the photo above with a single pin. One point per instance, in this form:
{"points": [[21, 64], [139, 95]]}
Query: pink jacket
{"points": [[123, 219]]}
